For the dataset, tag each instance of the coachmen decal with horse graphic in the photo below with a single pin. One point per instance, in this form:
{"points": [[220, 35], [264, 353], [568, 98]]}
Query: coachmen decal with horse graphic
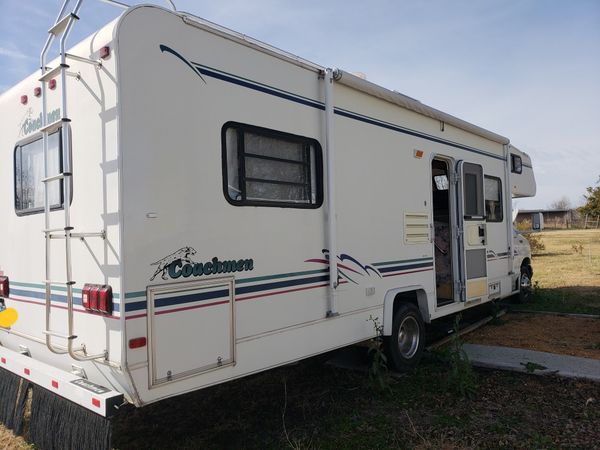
{"points": [[179, 264]]}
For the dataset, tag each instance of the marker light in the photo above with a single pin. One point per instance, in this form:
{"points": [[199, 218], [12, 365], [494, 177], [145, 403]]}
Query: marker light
{"points": [[37, 91], [137, 342], [104, 52], [4, 286], [52, 84], [23, 99]]}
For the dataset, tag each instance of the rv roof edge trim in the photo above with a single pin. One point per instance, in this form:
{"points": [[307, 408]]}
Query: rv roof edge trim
{"points": [[360, 84], [241, 38]]}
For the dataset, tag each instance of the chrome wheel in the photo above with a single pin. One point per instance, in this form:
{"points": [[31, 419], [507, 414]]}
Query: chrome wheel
{"points": [[525, 289], [525, 281], [408, 337]]}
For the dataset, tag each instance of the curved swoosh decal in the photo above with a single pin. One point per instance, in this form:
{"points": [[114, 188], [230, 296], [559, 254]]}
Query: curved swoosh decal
{"points": [[164, 48]]}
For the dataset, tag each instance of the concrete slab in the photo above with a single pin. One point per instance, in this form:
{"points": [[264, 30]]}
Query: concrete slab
{"points": [[530, 361]]}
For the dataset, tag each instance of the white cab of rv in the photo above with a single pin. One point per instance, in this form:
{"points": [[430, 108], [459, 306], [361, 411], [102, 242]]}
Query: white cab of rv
{"points": [[183, 205]]}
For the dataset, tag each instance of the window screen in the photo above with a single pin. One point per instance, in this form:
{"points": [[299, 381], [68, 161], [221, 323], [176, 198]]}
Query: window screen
{"points": [[473, 191], [269, 168], [516, 164], [29, 173], [493, 199]]}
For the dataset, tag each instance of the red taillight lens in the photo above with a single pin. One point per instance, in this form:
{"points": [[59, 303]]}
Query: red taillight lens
{"points": [[52, 84], [37, 91], [97, 298], [23, 99], [137, 342], [4, 286], [105, 300]]}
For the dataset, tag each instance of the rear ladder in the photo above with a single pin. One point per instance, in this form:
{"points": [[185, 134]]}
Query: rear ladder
{"points": [[61, 28]]}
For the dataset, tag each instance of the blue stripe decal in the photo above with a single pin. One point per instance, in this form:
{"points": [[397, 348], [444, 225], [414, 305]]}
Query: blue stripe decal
{"points": [[190, 298], [259, 87], [135, 306], [388, 263], [54, 297], [243, 82], [391, 126], [280, 284], [409, 266]]}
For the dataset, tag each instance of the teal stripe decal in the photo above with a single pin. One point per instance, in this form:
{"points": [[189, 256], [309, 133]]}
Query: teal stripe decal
{"points": [[54, 288]]}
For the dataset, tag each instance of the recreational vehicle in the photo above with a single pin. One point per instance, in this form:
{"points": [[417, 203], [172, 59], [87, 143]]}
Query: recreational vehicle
{"points": [[183, 205]]}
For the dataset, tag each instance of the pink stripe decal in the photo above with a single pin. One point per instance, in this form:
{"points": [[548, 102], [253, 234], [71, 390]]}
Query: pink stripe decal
{"points": [[83, 311]]}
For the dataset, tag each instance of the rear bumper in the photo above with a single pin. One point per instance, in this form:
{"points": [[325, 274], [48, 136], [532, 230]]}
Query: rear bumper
{"points": [[96, 398]]}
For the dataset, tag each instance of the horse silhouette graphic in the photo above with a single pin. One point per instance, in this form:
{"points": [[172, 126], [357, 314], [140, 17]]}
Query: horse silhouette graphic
{"points": [[183, 255]]}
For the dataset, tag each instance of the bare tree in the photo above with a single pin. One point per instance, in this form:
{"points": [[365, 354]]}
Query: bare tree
{"points": [[561, 203]]}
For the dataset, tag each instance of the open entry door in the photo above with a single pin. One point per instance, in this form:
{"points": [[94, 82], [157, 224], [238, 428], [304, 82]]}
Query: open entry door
{"points": [[472, 235]]}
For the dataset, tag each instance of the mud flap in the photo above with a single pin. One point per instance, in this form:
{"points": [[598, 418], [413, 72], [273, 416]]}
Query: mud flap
{"points": [[13, 395], [54, 422], [57, 423]]}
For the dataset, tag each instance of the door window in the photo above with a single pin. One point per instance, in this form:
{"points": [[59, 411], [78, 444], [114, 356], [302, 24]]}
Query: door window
{"points": [[473, 191]]}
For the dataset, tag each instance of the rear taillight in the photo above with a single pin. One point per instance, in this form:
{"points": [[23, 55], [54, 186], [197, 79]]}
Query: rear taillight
{"points": [[4, 286], [97, 298]]}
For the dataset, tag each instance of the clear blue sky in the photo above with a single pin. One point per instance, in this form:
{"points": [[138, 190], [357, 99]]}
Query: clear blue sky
{"points": [[527, 69]]}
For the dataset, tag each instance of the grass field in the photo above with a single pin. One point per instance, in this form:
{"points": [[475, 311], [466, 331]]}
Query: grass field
{"points": [[567, 272]]}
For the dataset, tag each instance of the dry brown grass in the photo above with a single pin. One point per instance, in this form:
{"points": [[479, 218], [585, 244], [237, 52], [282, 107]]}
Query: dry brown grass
{"points": [[567, 273], [571, 259], [8, 441]]}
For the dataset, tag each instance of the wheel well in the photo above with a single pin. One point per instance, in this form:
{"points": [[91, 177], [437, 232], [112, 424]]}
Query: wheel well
{"points": [[405, 297], [525, 262], [396, 297]]}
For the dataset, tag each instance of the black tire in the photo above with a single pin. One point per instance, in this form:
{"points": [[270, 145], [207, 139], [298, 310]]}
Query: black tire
{"points": [[404, 347], [525, 286]]}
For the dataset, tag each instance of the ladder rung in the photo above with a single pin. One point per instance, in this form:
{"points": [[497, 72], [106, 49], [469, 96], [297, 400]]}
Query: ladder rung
{"points": [[59, 335], [53, 72], [52, 230], [63, 283], [60, 26], [96, 62], [53, 125], [101, 234], [60, 176]]}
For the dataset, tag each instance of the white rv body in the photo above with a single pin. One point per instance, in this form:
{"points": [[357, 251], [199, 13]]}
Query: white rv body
{"points": [[221, 290]]}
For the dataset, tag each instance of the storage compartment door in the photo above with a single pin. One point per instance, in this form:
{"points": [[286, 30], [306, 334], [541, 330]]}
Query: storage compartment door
{"points": [[190, 329]]}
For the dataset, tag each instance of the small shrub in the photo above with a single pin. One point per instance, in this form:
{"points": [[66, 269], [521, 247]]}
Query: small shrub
{"points": [[536, 242], [462, 379], [578, 247], [378, 369]]}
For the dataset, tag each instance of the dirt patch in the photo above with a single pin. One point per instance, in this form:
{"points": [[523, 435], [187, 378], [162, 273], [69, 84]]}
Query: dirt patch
{"points": [[572, 336]]}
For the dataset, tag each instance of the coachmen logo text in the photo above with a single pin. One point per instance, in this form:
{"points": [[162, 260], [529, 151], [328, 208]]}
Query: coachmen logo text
{"points": [[30, 124], [180, 264]]}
